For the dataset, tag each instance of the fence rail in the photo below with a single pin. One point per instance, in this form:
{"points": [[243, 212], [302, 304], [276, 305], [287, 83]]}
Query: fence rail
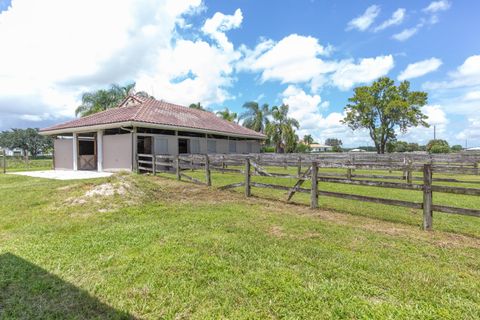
{"points": [[259, 165]]}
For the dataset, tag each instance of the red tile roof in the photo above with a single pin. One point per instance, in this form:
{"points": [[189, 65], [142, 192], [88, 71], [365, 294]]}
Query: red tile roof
{"points": [[151, 111]]}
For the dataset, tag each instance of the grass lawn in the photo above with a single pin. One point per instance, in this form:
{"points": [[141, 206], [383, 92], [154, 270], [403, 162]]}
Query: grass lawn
{"points": [[133, 246], [19, 164]]}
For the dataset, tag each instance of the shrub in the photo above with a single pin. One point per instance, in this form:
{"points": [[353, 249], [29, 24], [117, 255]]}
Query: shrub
{"points": [[438, 146]]}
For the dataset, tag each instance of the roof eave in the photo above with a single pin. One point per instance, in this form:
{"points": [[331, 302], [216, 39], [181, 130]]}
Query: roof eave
{"points": [[146, 125]]}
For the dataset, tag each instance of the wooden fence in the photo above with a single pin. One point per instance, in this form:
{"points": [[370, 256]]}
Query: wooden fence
{"points": [[249, 165]]}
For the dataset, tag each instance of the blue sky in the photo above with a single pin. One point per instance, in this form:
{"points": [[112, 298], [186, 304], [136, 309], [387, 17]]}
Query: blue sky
{"points": [[307, 53]]}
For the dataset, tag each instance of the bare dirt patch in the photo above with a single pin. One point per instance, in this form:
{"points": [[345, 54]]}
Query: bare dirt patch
{"points": [[118, 191]]}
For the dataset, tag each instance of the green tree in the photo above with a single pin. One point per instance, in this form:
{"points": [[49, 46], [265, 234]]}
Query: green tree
{"points": [[255, 117], [29, 140], [335, 143], [456, 148], [228, 115], [281, 130], [438, 146], [308, 139], [101, 100], [383, 108], [197, 106]]}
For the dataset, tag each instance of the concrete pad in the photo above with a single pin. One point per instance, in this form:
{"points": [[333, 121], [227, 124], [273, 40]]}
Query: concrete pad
{"points": [[64, 174]]}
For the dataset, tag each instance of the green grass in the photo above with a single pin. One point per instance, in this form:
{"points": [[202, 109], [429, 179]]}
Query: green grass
{"points": [[442, 221], [19, 164], [173, 250]]}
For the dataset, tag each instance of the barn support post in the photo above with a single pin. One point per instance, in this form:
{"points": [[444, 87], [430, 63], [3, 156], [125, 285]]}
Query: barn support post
{"points": [[100, 150], [207, 171], [248, 191], [177, 167], [75, 151], [427, 197], [314, 190]]}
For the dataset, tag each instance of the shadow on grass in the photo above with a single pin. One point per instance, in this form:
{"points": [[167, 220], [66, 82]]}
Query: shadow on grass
{"points": [[30, 292]]}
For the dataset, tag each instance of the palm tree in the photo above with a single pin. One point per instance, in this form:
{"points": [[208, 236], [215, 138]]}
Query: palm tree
{"points": [[197, 106], [281, 130], [256, 117], [101, 100], [228, 115], [308, 139]]}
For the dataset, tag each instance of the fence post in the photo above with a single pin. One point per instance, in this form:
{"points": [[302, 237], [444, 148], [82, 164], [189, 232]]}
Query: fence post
{"points": [[223, 164], [349, 173], [314, 190], [4, 160], [299, 167], [207, 171], [409, 172], [137, 170], [427, 197], [285, 164], [248, 192], [177, 167], [154, 164], [475, 166]]}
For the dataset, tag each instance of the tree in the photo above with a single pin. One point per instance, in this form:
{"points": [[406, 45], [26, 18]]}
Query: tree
{"points": [[281, 130], [228, 115], [255, 117], [29, 140], [335, 143], [308, 139], [383, 108], [456, 148], [438, 146], [101, 100], [197, 106]]}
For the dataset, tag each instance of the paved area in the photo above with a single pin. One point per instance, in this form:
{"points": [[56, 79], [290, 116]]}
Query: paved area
{"points": [[64, 174]]}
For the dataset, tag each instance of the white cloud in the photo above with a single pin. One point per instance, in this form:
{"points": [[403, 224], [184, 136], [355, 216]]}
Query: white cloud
{"points": [[406, 34], [205, 75], [308, 108], [471, 133], [472, 96], [216, 27], [397, 18], [420, 68], [299, 59], [466, 75], [349, 74], [293, 59], [44, 67], [436, 6], [365, 20]]}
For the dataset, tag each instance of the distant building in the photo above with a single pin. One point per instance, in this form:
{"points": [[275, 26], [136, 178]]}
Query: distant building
{"points": [[357, 150], [473, 149], [16, 152], [317, 147]]}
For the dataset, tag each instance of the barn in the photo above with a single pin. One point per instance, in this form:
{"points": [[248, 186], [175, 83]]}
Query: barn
{"points": [[111, 140]]}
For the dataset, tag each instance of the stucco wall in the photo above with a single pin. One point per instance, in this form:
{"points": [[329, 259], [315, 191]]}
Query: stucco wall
{"points": [[63, 151], [117, 152]]}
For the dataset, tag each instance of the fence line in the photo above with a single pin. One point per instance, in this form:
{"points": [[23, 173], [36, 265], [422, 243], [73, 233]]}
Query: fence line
{"points": [[257, 165]]}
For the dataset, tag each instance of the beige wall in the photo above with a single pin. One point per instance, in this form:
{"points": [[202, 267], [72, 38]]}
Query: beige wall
{"points": [[63, 151], [117, 152]]}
